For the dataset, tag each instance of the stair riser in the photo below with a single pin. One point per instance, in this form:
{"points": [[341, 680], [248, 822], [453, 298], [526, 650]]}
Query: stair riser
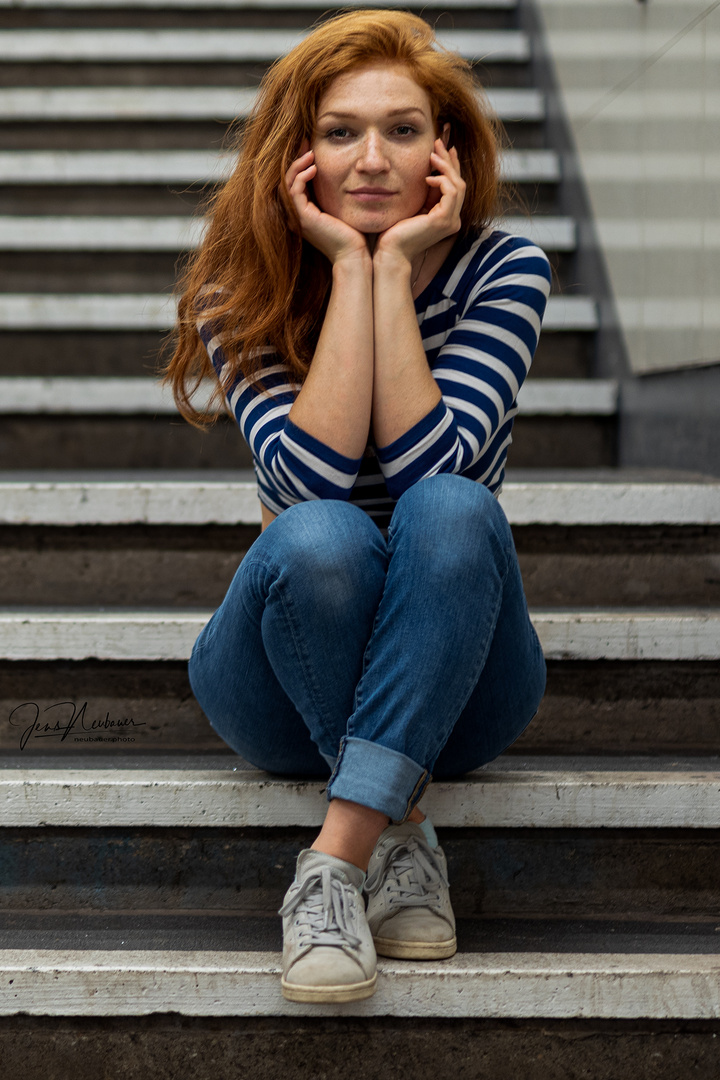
{"points": [[208, 16], [121, 272], [559, 356], [110, 442], [193, 567], [505, 873], [180, 198], [221, 73], [87, 199], [278, 1047], [589, 708], [167, 135]]}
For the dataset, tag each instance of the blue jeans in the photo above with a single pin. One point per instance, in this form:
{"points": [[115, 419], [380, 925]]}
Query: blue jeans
{"points": [[387, 661]]}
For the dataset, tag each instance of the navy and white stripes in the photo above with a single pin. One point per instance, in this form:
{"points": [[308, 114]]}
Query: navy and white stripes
{"points": [[480, 321]]}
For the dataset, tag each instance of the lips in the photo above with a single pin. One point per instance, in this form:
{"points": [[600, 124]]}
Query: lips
{"points": [[371, 195], [371, 191]]}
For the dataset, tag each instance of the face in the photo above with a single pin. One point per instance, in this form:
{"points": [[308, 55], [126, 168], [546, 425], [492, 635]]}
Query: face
{"points": [[372, 144]]}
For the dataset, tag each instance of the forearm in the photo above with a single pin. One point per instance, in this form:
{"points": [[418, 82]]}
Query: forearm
{"points": [[335, 402], [404, 390]]}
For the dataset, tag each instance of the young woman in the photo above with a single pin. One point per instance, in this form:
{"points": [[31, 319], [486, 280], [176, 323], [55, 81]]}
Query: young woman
{"points": [[369, 330]]}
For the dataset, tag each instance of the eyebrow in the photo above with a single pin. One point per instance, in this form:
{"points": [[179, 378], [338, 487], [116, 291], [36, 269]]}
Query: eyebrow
{"points": [[403, 110]]}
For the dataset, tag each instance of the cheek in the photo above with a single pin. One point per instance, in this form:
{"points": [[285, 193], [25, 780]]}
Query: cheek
{"points": [[415, 168], [325, 193], [415, 181], [326, 184]]}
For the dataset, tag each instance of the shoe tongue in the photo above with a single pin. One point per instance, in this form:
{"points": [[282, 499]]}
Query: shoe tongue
{"points": [[309, 861]]}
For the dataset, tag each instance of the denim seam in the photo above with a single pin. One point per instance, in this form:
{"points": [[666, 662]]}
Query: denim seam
{"points": [[258, 564], [357, 697], [341, 754], [289, 612], [472, 681], [305, 667], [203, 637], [415, 795]]}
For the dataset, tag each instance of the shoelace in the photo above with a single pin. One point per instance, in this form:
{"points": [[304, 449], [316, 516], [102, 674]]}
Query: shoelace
{"points": [[419, 870], [324, 910]]}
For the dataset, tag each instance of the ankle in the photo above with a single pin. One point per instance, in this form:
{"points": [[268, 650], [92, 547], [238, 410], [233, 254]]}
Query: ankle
{"points": [[350, 832]]}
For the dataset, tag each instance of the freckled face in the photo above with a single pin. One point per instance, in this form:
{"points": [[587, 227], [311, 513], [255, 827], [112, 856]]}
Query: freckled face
{"points": [[372, 144]]}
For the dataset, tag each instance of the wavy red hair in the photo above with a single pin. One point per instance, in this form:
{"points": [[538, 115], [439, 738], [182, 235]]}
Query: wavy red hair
{"points": [[272, 285]]}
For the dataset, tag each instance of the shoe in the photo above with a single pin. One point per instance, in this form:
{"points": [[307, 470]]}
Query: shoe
{"points": [[328, 951], [408, 903]]}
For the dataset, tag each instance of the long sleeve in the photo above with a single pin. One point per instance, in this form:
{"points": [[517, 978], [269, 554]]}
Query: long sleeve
{"points": [[480, 337], [291, 466]]}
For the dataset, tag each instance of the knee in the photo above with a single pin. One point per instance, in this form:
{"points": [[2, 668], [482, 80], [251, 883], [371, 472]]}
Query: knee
{"points": [[454, 513], [332, 546]]}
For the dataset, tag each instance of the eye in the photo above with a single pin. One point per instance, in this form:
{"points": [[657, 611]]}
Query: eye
{"points": [[337, 134], [405, 130]]}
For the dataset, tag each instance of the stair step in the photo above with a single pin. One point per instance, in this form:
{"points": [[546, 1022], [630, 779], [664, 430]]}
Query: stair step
{"points": [[66, 394], [115, 103], [511, 793], [153, 311], [33, 633], [598, 979], [260, 5], [193, 166], [228, 498], [76, 233], [247, 45]]}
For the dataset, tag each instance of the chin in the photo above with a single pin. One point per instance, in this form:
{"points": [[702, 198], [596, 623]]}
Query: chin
{"points": [[372, 224]]}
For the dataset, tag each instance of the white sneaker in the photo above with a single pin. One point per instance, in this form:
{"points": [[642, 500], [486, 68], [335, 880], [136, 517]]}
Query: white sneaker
{"points": [[328, 951], [408, 902]]}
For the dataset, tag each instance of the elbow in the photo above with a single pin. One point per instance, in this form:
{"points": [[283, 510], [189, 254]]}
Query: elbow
{"points": [[295, 484]]}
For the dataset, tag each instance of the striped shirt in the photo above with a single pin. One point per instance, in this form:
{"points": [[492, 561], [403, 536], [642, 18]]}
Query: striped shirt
{"points": [[480, 320]]}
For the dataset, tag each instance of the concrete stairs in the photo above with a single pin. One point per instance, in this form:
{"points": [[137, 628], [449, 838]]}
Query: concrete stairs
{"points": [[141, 862]]}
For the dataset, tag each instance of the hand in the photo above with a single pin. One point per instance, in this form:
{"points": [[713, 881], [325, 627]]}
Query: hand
{"points": [[439, 217], [328, 234]]}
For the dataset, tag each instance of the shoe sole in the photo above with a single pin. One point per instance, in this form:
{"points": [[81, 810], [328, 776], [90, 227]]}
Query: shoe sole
{"points": [[329, 995], [415, 950]]}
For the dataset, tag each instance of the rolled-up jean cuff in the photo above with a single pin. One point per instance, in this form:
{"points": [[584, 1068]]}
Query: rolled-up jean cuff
{"points": [[377, 776]]}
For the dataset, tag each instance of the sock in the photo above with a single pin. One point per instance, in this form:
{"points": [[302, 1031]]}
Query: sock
{"points": [[430, 834]]}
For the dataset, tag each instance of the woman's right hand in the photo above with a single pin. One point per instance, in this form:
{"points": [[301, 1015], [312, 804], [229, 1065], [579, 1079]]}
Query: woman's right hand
{"points": [[328, 234]]}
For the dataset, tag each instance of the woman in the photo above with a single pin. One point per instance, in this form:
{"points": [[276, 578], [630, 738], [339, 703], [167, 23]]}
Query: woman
{"points": [[369, 331]]}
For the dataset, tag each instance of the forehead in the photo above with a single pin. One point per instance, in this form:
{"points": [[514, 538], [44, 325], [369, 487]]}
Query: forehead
{"points": [[384, 85]]}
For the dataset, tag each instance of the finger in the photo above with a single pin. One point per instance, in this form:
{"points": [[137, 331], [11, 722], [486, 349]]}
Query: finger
{"points": [[449, 170], [446, 153], [300, 165], [447, 183], [449, 195], [301, 162], [304, 177], [449, 158]]}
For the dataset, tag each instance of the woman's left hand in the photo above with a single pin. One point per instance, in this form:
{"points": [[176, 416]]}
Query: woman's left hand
{"points": [[438, 219]]}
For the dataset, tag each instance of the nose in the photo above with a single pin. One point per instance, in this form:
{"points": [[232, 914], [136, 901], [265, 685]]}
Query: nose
{"points": [[373, 156]]}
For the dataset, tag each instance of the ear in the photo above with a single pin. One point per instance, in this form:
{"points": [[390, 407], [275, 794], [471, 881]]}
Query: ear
{"points": [[445, 135]]}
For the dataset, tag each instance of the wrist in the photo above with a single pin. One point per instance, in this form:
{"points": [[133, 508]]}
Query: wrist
{"points": [[392, 263], [353, 264]]}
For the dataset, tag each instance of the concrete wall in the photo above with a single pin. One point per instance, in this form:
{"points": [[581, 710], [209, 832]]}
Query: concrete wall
{"points": [[640, 85]]}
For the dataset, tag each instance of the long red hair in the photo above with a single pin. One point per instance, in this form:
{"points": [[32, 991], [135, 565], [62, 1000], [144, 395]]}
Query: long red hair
{"points": [[269, 286]]}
